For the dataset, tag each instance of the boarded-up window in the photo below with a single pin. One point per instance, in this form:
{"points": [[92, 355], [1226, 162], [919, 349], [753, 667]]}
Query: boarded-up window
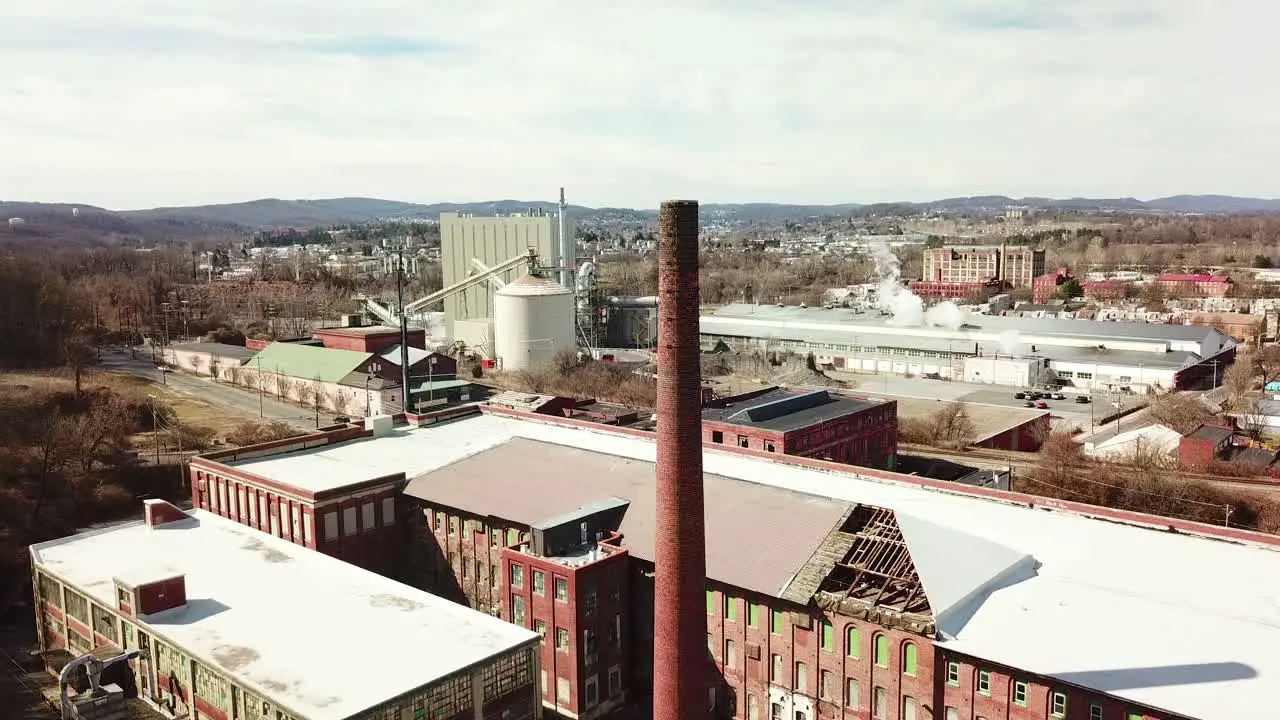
{"points": [[388, 511], [330, 525], [104, 623], [349, 526], [77, 606], [367, 520], [563, 693], [215, 690]]}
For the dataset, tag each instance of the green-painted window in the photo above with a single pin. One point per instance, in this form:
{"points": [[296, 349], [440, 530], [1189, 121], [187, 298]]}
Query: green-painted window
{"points": [[984, 682], [1137, 716], [711, 602], [953, 674], [909, 658], [1020, 693], [730, 607], [882, 651], [1058, 704], [775, 622], [753, 615], [828, 636], [853, 642]]}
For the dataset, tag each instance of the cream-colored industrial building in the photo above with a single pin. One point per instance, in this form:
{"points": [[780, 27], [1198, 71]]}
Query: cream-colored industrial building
{"points": [[1015, 265], [492, 240]]}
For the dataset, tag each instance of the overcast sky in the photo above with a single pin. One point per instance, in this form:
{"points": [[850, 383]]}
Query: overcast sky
{"points": [[138, 103]]}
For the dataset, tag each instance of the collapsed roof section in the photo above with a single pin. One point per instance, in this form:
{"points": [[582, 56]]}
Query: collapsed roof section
{"points": [[911, 574]]}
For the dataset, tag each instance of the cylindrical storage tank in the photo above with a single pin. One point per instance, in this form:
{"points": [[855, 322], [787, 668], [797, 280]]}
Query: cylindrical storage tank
{"points": [[532, 322]]}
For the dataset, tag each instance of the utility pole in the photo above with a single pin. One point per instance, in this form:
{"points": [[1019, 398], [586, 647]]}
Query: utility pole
{"points": [[155, 427], [404, 326], [260, 410]]}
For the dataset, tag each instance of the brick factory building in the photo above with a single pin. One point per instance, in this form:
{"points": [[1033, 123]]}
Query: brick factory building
{"points": [[1045, 287], [357, 522], [368, 339], [1195, 285], [808, 423], [237, 624], [1015, 266], [959, 291], [1095, 290], [831, 592]]}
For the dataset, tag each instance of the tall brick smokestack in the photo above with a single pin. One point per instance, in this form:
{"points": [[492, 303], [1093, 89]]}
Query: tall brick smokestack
{"points": [[680, 614]]}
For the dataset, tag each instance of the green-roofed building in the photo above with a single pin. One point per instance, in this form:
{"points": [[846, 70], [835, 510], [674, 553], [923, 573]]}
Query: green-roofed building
{"points": [[308, 362]]}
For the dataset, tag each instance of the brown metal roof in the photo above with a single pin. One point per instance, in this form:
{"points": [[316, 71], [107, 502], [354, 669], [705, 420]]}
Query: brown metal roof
{"points": [[526, 481]]}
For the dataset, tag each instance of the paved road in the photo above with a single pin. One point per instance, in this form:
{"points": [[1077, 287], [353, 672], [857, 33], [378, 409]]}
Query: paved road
{"points": [[242, 400]]}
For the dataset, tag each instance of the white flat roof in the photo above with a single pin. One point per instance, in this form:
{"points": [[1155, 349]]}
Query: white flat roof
{"points": [[328, 467], [1185, 624], [263, 611]]}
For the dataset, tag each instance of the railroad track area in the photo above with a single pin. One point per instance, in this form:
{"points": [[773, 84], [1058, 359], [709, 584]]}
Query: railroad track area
{"points": [[21, 680]]}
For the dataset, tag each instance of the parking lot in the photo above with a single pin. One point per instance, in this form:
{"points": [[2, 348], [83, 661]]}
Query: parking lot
{"points": [[1066, 414]]}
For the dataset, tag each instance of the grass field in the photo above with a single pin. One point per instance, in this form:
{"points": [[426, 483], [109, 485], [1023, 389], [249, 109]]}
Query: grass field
{"points": [[191, 411]]}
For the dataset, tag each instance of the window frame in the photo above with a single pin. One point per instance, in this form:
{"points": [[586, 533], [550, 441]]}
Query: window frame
{"points": [[1054, 697], [984, 682], [1019, 688]]}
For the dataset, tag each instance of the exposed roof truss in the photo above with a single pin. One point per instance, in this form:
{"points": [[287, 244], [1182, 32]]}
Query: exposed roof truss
{"points": [[877, 569]]}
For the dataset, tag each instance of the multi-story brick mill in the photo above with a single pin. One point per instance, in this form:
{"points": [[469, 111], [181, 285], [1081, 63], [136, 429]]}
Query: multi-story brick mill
{"points": [[831, 592]]}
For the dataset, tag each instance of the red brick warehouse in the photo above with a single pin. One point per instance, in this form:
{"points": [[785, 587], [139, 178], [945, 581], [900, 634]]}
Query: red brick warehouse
{"points": [[808, 423]]}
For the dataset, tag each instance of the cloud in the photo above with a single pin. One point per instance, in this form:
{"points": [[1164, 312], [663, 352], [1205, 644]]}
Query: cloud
{"points": [[147, 102]]}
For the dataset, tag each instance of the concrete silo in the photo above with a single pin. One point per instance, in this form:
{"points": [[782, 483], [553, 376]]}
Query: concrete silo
{"points": [[532, 322]]}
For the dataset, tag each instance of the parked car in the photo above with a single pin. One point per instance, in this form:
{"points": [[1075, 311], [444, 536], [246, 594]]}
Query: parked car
{"points": [[1082, 399], [1058, 396], [1019, 396], [1042, 405], [1031, 403]]}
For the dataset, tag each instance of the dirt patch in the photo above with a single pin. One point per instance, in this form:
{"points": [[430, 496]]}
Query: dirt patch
{"points": [[234, 657], [271, 555]]}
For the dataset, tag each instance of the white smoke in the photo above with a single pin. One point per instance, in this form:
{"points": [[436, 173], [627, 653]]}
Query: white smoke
{"points": [[1009, 341], [905, 308]]}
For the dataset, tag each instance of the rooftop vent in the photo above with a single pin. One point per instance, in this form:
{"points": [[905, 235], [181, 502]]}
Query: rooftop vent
{"points": [[160, 595], [159, 512], [380, 425]]}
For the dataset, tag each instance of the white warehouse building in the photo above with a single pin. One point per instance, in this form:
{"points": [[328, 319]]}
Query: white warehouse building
{"points": [[999, 350]]}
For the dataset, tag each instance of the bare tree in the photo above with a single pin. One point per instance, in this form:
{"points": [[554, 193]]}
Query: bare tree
{"points": [[78, 354], [1179, 411], [235, 373], [288, 387], [1252, 416], [1266, 362], [1237, 382]]}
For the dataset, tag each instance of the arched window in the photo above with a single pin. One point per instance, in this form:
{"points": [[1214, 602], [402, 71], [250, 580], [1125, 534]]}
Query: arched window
{"points": [[853, 642], [909, 658], [882, 650]]}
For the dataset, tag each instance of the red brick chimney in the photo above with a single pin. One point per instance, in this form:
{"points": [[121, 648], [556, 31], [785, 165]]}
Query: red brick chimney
{"points": [[680, 614]]}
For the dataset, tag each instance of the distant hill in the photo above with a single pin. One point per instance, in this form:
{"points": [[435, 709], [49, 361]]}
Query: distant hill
{"points": [[195, 221], [85, 225], [273, 212]]}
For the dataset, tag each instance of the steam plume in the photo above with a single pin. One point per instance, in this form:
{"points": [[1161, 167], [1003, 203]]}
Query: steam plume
{"points": [[905, 308]]}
